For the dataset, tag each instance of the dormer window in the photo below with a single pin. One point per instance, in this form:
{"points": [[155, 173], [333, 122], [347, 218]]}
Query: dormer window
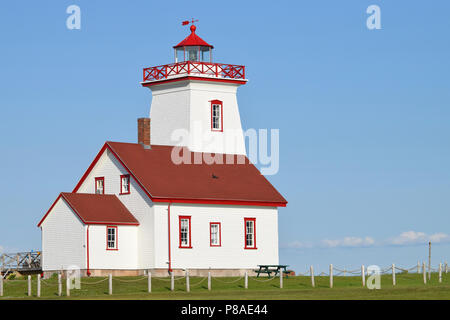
{"points": [[125, 184], [100, 185], [216, 115]]}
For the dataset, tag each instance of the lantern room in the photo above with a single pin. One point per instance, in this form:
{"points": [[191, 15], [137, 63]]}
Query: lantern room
{"points": [[193, 48]]}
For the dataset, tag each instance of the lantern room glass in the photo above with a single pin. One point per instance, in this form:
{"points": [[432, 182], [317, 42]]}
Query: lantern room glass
{"points": [[193, 54]]}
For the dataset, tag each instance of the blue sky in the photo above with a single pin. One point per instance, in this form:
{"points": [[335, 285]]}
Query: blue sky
{"points": [[363, 114]]}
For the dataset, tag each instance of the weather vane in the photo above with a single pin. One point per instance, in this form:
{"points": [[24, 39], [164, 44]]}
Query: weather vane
{"points": [[185, 23]]}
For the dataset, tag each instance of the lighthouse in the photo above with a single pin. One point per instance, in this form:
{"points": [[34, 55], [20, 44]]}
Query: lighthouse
{"points": [[194, 101], [136, 210]]}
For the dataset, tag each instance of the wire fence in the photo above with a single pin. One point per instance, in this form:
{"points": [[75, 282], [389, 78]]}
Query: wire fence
{"points": [[423, 270]]}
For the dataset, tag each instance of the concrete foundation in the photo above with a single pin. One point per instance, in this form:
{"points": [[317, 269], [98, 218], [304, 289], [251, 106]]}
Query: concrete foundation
{"points": [[159, 272]]}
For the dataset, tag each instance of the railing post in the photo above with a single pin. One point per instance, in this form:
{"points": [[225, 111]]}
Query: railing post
{"points": [[418, 267], [59, 285], [188, 288], [363, 276], [149, 281], [29, 286], [440, 272], [446, 268], [246, 280], [331, 275], [424, 271], [311, 270], [209, 280], [39, 285], [110, 284], [172, 281], [393, 274]]}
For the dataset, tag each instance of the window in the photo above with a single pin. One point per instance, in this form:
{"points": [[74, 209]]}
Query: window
{"points": [[185, 232], [215, 234], [250, 233], [216, 115], [100, 185], [125, 184], [111, 238]]}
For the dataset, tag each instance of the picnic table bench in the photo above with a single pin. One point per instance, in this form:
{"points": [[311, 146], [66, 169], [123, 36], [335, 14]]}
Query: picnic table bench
{"points": [[271, 268]]}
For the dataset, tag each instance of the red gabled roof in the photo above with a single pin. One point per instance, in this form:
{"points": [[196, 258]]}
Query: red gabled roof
{"points": [[193, 40], [165, 181], [96, 209]]}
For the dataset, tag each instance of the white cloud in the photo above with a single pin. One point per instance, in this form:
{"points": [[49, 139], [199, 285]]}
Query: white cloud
{"points": [[298, 245], [349, 242], [414, 237], [403, 239]]}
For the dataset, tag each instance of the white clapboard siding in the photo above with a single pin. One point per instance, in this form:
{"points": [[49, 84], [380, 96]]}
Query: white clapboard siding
{"points": [[63, 239]]}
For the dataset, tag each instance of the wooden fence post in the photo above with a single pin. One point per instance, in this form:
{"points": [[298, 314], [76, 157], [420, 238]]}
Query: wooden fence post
{"points": [[59, 285], [393, 274], [110, 284], [67, 284], [424, 271], [440, 272], [29, 286], [209, 280], [418, 267], [1, 285], [331, 276], [246, 280], [39, 285], [149, 281], [281, 279], [363, 276], [446, 267], [188, 287], [311, 270], [172, 281]]}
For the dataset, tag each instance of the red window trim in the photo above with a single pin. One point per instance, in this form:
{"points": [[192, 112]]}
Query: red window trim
{"points": [[179, 232], [129, 183], [99, 179], [117, 238], [254, 233], [213, 102], [220, 235]]}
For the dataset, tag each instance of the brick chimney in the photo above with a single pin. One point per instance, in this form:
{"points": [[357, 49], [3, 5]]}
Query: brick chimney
{"points": [[144, 132]]}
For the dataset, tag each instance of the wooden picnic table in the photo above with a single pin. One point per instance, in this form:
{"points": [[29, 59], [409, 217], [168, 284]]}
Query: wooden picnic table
{"points": [[269, 268]]}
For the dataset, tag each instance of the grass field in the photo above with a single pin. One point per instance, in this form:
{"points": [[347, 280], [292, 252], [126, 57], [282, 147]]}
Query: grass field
{"points": [[409, 286]]}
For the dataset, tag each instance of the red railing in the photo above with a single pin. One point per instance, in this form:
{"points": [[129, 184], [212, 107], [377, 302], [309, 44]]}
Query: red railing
{"points": [[218, 70]]}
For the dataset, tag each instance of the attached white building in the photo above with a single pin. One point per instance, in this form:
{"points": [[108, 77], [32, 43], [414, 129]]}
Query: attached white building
{"points": [[166, 203]]}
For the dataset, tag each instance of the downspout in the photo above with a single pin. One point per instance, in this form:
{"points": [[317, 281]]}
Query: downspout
{"points": [[87, 252], [168, 223]]}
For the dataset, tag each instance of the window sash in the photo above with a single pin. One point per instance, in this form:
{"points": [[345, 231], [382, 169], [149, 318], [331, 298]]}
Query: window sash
{"points": [[111, 238], [184, 232], [216, 116], [250, 233], [125, 184], [215, 234], [99, 186]]}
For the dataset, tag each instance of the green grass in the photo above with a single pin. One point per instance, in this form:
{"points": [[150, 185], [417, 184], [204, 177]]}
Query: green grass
{"points": [[409, 286]]}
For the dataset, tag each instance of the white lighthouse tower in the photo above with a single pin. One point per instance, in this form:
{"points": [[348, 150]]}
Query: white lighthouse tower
{"points": [[196, 96]]}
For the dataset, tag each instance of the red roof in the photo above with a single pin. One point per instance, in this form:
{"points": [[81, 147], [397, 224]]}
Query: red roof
{"points": [[193, 40], [165, 181], [96, 209]]}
